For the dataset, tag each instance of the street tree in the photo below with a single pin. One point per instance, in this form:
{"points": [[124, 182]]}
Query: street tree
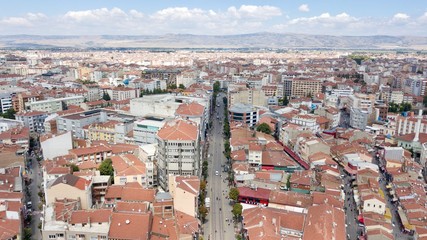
{"points": [[203, 211], [237, 210], [233, 194], [216, 87]]}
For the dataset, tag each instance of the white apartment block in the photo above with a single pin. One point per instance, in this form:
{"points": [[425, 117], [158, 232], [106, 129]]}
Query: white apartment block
{"points": [[178, 150], [56, 104], [307, 122], [145, 131], [34, 120]]}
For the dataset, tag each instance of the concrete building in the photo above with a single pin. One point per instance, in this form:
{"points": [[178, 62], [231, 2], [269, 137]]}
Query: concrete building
{"points": [[185, 192], [77, 121], [307, 122], [145, 131], [50, 147], [6, 124], [128, 168], [162, 105], [243, 113], [238, 94], [123, 93], [70, 187], [331, 113], [178, 150], [169, 75], [300, 87], [56, 104], [111, 131], [147, 154], [34, 120], [359, 118]]}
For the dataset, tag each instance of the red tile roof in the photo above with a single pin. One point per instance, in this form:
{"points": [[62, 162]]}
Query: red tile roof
{"points": [[179, 130]]}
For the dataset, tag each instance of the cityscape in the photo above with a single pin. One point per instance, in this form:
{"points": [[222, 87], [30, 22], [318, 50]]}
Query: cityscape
{"points": [[272, 121]]}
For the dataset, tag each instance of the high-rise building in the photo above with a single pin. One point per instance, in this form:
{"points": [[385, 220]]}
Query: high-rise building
{"points": [[178, 150]]}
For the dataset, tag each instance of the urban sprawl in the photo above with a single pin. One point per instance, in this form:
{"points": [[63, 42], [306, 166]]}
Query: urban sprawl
{"points": [[213, 144]]}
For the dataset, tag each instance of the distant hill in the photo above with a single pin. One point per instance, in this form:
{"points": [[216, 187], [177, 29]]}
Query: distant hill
{"points": [[256, 40]]}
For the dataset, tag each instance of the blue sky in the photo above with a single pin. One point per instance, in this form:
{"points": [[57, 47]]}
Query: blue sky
{"points": [[135, 17]]}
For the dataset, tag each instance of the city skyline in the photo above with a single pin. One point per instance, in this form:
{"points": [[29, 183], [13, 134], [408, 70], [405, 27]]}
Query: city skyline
{"points": [[362, 18]]}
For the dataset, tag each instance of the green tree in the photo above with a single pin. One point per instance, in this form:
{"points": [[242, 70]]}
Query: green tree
{"points": [[202, 185], [74, 167], [172, 86], [10, 113], [425, 101], [263, 127], [27, 234], [181, 86], [203, 211], [106, 167], [237, 210], [106, 96], [216, 86], [288, 182], [285, 101], [233, 194]]}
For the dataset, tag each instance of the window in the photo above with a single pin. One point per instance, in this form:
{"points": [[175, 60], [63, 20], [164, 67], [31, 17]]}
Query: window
{"points": [[52, 236], [122, 180], [369, 205]]}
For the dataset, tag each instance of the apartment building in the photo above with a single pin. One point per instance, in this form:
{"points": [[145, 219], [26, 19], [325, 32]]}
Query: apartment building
{"points": [[51, 148], [123, 93], [94, 153], [239, 94], [170, 75], [178, 150], [307, 122], [22, 100], [301, 87], [33, 120], [128, 168], [145, 131], [56, 104], [6, 124], [359, 118], [70, 187], [162, 105], [77, 121], [185, 192]]}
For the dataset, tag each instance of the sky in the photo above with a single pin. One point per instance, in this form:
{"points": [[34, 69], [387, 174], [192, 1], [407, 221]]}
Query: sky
{"points": [[214, 17]]}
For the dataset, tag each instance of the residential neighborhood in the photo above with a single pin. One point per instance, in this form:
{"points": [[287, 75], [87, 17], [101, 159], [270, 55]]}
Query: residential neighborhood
{"points": [[310, 144]]}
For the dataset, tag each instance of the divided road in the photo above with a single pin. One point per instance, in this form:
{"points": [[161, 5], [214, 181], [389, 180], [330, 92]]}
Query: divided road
{"points": [[217, 227]]}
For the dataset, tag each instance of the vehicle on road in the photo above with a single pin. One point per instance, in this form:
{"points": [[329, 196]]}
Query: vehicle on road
{"points": [[216, 173], [29, 205]]}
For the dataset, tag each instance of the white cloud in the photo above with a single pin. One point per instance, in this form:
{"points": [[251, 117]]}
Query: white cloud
{"points": [[231, 20], [100, 14], [400, 17], [304, 8]]}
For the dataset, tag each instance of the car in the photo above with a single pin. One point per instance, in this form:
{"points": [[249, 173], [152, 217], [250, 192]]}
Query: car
{"points": [[29, 205], [216, 173]]}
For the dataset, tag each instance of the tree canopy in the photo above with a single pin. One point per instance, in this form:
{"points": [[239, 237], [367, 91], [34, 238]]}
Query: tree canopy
{"points": [[10, 113], [216, 87], [233, 194], [106, 96], [106, 167], [237, 210], [263, 127]]}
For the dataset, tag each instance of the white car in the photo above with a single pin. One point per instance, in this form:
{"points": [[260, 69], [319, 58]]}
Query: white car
{"points": [[216, 173]]}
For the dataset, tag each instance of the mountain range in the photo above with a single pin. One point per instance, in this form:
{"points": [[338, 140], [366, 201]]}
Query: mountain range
{"points": [[251, 41]]}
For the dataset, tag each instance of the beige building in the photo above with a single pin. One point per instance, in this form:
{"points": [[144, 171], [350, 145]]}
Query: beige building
{"points": [[70, 187], [241, 94], [305, 87], [185, 193], [128, 168], [373, 203]]}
